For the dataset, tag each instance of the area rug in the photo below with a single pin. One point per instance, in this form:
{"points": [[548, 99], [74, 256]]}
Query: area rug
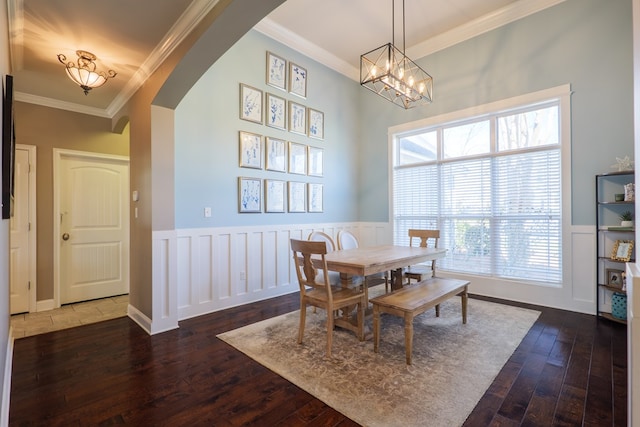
{"points": [[453, 364]]}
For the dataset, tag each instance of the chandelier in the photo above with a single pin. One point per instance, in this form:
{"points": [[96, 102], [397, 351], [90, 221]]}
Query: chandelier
{"points": [[84, 73], [388, 72]]}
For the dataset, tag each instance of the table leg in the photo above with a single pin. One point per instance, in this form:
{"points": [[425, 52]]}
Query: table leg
{"points": [[396, 282], [376, 328], [465, 299]]}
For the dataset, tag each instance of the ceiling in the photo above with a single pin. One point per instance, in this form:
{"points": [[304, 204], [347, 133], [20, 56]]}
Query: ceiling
{"points": [[133, 37]]}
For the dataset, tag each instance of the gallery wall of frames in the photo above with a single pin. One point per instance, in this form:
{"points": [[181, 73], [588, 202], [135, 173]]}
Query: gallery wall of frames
{"points": [[301, 163]]}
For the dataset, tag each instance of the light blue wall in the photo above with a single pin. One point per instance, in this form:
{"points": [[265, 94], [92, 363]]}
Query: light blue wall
{"points": [[207, 125], [587, 43]]}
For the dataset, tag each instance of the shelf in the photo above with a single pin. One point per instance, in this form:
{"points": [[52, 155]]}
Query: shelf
{"points": [[613, 289], [616, 229], [606, 258], [608, 316], [629, 202], [631, 172]]}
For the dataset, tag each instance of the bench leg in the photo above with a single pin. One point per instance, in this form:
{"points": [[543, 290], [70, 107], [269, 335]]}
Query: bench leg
{"points": [[464, 298], [376, 328], [438, 310], [408, 336]]}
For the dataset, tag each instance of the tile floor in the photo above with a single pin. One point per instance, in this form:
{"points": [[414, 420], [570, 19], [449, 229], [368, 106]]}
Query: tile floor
{"points": [[69, 316]]}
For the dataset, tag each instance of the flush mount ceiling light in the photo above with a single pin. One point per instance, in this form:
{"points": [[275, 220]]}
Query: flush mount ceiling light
{"points": [[388, 72], [84, 74]]}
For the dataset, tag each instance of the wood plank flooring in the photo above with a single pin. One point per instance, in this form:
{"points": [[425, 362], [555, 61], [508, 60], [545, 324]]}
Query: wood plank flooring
{"points": [[569, 370]]}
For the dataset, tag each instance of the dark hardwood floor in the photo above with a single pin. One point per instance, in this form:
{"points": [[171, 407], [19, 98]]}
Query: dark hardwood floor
{"points": [[569, 370]]}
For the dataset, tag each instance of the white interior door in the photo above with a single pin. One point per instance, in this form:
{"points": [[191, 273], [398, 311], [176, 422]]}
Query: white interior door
{"points": [[94, 226], [20, 229]]}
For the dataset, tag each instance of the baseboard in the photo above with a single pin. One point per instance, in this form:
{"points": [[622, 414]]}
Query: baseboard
{"points": [[6, 386], [140, 318], [45, 305]]}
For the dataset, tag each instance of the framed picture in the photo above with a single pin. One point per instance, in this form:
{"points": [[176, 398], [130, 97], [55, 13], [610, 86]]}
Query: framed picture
{"points": [[316, 124], [297, 118], [614, 277], [297, 196], [622, 250], [250, 103], [276, 71], [297, 158], [297, 80], [249, 194], [315, 197], [274, 195], [250, 150], [316, 161], [276, 112], [276, 156]]}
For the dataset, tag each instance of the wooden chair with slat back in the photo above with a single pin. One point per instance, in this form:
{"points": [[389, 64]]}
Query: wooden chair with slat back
{"points": [[311, 269], [424, 239]]}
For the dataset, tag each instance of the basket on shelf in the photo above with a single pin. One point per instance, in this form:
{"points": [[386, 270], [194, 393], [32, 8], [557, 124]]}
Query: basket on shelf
{"points": [[619, 306]]}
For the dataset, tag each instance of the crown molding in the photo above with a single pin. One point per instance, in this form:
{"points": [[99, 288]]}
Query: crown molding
{"points": [[61, 105]]}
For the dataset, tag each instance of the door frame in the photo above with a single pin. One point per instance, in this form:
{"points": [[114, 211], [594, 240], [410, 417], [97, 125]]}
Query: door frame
{"points": [[58, 155]]}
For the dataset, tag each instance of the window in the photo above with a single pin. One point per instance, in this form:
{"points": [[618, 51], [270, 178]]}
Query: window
{"points": [[492, 185]]}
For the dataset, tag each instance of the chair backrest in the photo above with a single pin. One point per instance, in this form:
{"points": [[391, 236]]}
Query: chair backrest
{"points": [[319, 236], [424, 237], [308, 257], [346, 240]]}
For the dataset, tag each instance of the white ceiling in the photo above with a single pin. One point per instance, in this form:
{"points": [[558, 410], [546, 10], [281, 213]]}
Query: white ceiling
{"points": [[133, 37]]}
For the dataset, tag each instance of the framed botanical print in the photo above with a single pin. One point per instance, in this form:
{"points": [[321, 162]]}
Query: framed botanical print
{"points": [[297, 118], [297, 197], [276, 156], [316, 161], [276, 112], [274, 195], [250, 103], [249, 194], [297, 158], [250, 150], [276, 71], [315, 197], [316, 124], [297, 80]]}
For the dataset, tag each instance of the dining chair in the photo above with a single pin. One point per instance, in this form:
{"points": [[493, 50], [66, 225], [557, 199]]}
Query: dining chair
{"points": [[424, 239], [309, 258], [320, 236]]}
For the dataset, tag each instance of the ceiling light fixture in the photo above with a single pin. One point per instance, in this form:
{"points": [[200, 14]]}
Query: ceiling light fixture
{"points": [[388, 72], [84, 74]]}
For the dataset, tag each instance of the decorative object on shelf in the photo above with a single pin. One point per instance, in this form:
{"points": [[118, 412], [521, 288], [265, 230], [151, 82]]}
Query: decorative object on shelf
{"points": [[249, 194], [276, 71], [619, 306], [84, 73], [622, 250], [623, 164], [614, 277], [619, 197], [250, 103], [250, 150], [297, 80], [388, 72], [274, 195], [629, 192], [626, 219]]}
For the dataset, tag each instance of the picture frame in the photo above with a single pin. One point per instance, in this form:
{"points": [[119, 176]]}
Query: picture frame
{"points": [[622, 250], [249, 195], [297, 118], [297, 196], [276, 71], [276, 154], [315, 196], [614, 277], [250, 103], [315, 158], [297, 158], [276, 111], [297, 80], [250, 150], [316, 124], [274, 195]]}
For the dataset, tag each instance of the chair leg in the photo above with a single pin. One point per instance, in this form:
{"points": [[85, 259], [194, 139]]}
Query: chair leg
{"points": [[329, 333], [303, 316]]}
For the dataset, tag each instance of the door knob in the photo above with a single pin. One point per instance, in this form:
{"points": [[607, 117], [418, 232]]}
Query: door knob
{"points": [[65, 236]]}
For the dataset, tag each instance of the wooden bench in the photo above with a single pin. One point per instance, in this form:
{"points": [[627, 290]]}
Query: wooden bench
{"points": [[413, 300]]}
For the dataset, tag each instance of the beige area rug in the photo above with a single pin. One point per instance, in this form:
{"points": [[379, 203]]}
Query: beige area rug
{"points": [[453, 364]]}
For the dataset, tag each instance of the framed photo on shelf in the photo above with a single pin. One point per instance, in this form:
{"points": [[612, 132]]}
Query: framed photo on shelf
{"points": [[297, 118], [614, 277], [250, 150], [250, 103], [316, 124], [276, 116], [297, 196], [249, 194], [297, 80], [316, 161], [315, 197], [297, 158], [274, 195], [276, 156], [622, 250], [276, 71]]}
